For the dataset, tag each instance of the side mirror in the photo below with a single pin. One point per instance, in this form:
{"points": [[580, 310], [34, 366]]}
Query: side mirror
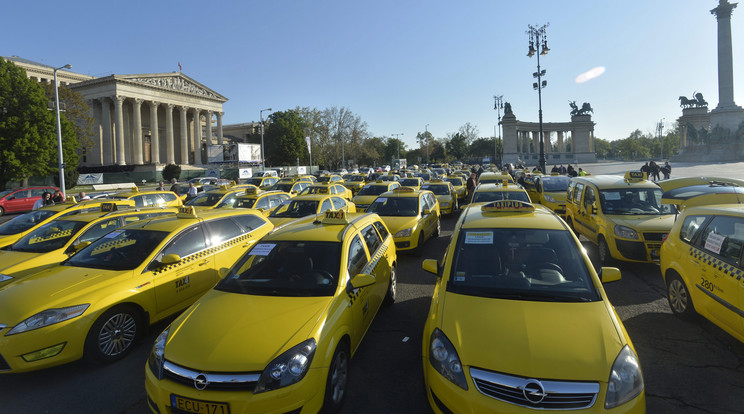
{"points": [[81, 245], [170, 259], [594, 208], [427, 211], [261, 210], [431, 266], [362, 280], [609, 274]]}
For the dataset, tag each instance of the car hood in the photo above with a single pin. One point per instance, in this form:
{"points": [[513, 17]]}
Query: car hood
{"points": [[57, 286], [557, 340], [395, 224], [234, 332], [560, 197], [364, 200], [644, 223]]}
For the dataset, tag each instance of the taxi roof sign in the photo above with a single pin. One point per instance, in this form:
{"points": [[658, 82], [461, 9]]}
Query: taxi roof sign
{"points": [[404, 189], [508, 206], [250, 190], [335, 217], [135, 189], [108, 207], [635, 176], [186, 212]]}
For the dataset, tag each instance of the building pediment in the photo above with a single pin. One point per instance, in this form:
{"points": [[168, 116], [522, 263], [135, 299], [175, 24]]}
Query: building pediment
{"points": [[175, 81]]}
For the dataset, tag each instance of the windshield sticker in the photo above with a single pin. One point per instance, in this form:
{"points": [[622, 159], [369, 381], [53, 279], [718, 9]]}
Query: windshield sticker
{"points": [[263, 249], [472, 237], [460, 277], [114, 244], [57, 235], [614, 196], [381, 199], [714, 242], [113, 234]]}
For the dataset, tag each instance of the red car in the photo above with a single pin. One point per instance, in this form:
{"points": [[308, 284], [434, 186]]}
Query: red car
{"points": [[21, 199]]}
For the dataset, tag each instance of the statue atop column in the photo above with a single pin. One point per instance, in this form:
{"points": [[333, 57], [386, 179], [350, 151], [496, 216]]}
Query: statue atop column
{"points": [[697, 102], [507, 108], [584, 110]]}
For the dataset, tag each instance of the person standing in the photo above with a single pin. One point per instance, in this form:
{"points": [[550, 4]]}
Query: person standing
{"points": [[470, 187], [666, 170], [58, 197], [192, 192], [45, 200], [161, 187], [83, 196], [174, 187]]}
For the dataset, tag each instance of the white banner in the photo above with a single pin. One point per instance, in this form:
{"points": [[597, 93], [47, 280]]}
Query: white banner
{"points": [[301, 171], [90, 178], [309, 149], [246, 173], [213, 173]]}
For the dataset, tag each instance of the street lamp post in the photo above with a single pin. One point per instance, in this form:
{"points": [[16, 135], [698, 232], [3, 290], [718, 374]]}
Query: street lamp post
{"points": [[59, 131], [660, 129], [498, 105], [397, 137], [426, 137], [263, 158], [539, 45]]}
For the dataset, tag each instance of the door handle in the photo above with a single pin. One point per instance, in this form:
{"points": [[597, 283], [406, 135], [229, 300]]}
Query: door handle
{"points": [[204, 263]]}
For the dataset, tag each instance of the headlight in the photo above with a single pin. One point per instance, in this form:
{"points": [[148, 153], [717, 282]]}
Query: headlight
{"points": [[550, 199], [48, 317], [625, 232], [3, 277], [157, 354], [443, 357], [288, 368], [404, 232], [626, 379]]}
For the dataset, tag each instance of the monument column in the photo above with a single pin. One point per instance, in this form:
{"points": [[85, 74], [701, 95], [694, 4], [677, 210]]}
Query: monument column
{"points": [[725, 57], [197, 137], [106, 139], [137, 136], [120, 152], [170, 156], [209, 128], [219, 127], [560, 142], [154, 136], [184, 136]]}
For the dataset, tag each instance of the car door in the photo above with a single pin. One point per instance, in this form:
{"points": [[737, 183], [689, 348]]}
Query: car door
{"points": [[19, 201], [378, 265], [228, 239], [179, 284], [580, 219], [428, 201], [359, 299], [589, 208]]}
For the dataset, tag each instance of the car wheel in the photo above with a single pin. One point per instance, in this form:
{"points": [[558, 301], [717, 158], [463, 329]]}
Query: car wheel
{"points": [[438, 229], [420, 246], [392, 290], [604, 252], [113, 334], [2, 211], [679, 297], [338, 375]]}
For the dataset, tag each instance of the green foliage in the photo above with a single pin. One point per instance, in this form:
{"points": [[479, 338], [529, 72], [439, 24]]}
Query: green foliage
{"points": [[601, 148], [285, 139], [483, 147], [457, 146], [28, 144], [171, 171]]}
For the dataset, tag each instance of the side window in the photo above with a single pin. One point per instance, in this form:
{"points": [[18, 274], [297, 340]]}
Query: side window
{"points": [[222, 230], [357, 257], [37, 192], [20, 194], [98, 230], [263, 203], [589, 198], [381, 229], [338, 203], [394, 186], [570, 191], [326, 205], [724, 236], [690, 227], [577, 193], [187, 243], [139, 201], [249, 221], [371, 238]]}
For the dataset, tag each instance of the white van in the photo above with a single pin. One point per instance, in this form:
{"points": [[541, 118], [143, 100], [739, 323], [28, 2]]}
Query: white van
{"points": [[267, 173]]}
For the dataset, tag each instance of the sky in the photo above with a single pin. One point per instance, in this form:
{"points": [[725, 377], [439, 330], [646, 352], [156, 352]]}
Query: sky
{"points": [[402, 66]]}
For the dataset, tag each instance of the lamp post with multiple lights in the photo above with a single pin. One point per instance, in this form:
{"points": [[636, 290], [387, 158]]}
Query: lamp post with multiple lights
{"points": [[397, 137], [59, 131], [426, 136], [498, 105], [539, 45], [263, 158], [660, 129]]}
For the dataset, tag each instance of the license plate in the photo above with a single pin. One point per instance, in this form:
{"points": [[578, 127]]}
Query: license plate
{"points": [[654, 254], [198, 406]]}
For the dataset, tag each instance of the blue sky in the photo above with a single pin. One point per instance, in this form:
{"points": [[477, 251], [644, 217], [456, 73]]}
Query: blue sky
{"points": [[398, 65]]}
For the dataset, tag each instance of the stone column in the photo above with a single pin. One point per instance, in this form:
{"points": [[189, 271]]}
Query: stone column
{"points": [[197, 137], [209, 127], [170, 156], [219, 127], [137, 136], [184, 136], [535, 142], [725, 57], [154, 136], [120, 150], [560, 141], [107, 140]]}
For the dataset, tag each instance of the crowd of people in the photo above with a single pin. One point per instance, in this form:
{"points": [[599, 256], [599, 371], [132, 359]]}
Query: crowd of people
{"points": [[652, 170]]}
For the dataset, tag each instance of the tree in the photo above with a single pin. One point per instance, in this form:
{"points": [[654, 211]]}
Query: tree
{"points": [[285, 139], [602, 148], [469, 132], [335, 134], [75, 109], [28, 130], [457, 146], [483, 147]]}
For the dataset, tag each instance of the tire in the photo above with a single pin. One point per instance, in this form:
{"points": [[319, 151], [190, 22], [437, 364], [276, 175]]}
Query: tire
{"points": [[338, 376], [392, 291], [113, 335], [2, 211], [679, 297], [603, 250], [420, 246], [438, 229]]}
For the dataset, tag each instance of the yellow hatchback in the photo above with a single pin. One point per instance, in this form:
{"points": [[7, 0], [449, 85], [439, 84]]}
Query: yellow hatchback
{"points": [[305, 205], [550, 191], [411, 215], [298, 303], [219, 197], [444, 191], [97, 303], [520, 323], [149, 198], [369, 193], [265, 202]]}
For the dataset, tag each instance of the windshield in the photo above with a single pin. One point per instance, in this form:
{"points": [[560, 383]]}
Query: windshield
{"points": [[51, 236], [255, 181], [205, 200], [456, 181], [356, 178], [4, 193], [395, 206], [315, 190], [296, 208], [555, 184], [521, 264], [488, 196], [286, 268], [410, 182], [373, 190], [285, 187], [24, 222], [634, 201], [118, 250], [323, 179], [388, 177], [437, 189], [425, 176], [244, 202]]}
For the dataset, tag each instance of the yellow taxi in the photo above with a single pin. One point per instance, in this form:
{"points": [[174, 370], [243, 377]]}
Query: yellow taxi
{"points": [[219, 197], [412, 182], [328, 188], [22, 224], [701, 258], [60, 238], [328, 278], [520, 323], [100, 301], [149, 198], [389, 177], [330, 178], [355, 182], [486, 193], [261, 182], [445, 193], [550, 191], [623, 215], [369, 193], [291, 186], [265, 202], [309, 204], [495, 177], [411, 215], [459, 183]]}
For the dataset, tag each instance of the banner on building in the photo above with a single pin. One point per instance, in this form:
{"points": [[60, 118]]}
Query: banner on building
{"points": [[90, 178]]}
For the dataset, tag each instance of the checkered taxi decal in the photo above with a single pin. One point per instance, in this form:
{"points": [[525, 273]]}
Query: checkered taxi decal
{"points": [[369, 267], [204, 253], [726, 268]]}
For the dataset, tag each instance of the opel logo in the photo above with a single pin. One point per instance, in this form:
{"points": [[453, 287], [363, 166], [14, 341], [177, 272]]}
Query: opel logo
{"points": [[201, 382], [533, 391]]}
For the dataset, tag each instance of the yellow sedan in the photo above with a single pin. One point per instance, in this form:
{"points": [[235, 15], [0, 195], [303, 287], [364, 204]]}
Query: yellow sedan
{"points": [[305, 205], [100, 301], [290, 315]]}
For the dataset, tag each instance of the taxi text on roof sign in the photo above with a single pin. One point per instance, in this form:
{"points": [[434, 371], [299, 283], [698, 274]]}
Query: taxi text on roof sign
{"points": [[108, 207], [404, 189], [335, 217], [508, 206], [635, 176], [250, 190], [186, 212]]}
